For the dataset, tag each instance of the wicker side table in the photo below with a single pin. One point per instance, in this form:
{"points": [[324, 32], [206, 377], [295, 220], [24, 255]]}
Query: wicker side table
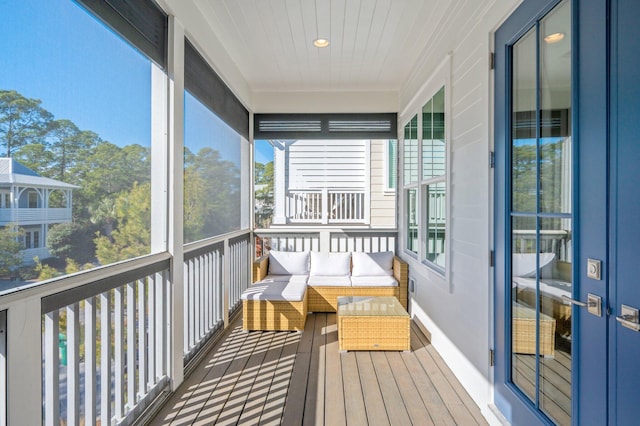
{"points": [[372, 324]]}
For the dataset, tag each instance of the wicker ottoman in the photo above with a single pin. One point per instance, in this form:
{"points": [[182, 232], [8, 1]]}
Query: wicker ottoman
{"points": [[372, 324], [275, 306]]}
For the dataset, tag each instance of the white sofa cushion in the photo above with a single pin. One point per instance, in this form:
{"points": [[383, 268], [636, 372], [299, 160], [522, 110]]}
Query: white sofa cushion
{"points": [[288, 262], [285, 278], [330, 264], [372, 264], [333, 280], [292, 291], [374, 281]]}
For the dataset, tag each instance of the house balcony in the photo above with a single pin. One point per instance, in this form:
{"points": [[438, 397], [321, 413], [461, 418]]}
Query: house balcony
{"points": [[35, 216], [162, 329], [323, 206]]}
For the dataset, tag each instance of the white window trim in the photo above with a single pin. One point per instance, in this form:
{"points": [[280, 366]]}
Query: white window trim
{"points": [[440, 78], [387, 190]]}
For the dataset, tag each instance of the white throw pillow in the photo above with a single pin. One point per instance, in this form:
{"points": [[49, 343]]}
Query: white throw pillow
{"points": [[372, 264], [330, 264], [288, 262]]}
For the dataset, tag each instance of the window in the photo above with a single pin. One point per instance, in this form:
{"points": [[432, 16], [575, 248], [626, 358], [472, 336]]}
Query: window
{"points": [[391, 168], [216, 154], [434, 179], [83, 126], [425, 182]]}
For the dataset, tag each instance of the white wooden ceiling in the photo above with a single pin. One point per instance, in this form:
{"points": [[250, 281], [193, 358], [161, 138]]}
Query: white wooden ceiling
{"points": [[374, 44]]}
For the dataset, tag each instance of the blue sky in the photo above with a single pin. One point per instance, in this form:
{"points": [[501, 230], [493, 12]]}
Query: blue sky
{"points": [[53, 50]]}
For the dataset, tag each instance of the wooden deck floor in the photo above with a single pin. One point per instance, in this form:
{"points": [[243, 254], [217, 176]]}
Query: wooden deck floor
{"points": [[286, 378]]}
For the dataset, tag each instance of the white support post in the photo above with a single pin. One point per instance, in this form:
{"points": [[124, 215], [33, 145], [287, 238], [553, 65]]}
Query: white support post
{"points": [[176, 199], [279, 185], [24, 363]]}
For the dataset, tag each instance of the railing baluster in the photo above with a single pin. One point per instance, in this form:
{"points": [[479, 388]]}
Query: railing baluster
{"points": [[151, 346], [119, 354], [105, 358], [52, 368], [142, 338], [73, 364], [131, 346], [90, 360]]}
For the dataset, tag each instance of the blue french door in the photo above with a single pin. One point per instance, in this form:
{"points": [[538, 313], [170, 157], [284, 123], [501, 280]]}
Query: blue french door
{"points": [[567, 211]]}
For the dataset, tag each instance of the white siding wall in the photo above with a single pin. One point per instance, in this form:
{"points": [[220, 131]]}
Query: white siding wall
{"points": [[315, 164], [459, 313], [383, 202]]}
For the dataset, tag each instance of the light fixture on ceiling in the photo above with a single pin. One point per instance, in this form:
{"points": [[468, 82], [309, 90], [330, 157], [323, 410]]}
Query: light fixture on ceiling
{"points": [[554, 38], [321, 42]]}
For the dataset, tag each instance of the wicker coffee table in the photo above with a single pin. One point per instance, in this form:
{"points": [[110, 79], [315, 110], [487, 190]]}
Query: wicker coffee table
{"points": [[372, 324]]}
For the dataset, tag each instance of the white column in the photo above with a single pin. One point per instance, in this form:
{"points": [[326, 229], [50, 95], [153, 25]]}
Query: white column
{"points": [[279, 185], [24, 363], [176, 213]]}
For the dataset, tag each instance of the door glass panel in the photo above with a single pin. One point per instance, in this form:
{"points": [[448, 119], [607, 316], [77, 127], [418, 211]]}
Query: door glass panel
{"points": [[524, 157], [541, 222], [555, 110], [555, 259], [523, 304]]}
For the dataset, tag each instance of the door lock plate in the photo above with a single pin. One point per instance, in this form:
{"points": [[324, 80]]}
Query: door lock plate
{"points": [[594, 268]]}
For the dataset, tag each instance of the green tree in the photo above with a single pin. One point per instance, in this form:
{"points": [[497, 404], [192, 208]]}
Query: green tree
{"points": [[69, 145], [132, 237], [10, 246], [264, 194], [22, 121], [71, 241], [212, 195], [35, 156]]}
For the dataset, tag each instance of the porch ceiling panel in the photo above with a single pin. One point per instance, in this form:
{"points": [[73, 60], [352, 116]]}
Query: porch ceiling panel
{"points": [[374, 44]]}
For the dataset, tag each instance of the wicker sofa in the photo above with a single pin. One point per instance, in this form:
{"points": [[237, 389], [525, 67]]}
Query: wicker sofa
{"points": [[367, 274]]}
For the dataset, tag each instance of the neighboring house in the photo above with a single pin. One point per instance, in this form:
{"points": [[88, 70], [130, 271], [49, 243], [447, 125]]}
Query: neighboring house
{"points": [[345, 182], [34, 203]]}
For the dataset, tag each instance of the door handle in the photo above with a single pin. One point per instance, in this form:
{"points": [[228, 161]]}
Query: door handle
{"points": [[593, 303], [629, 318], [573, 301]]}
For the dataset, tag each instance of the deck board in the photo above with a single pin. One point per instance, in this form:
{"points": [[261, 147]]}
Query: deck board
{"points": [[293, 378]]}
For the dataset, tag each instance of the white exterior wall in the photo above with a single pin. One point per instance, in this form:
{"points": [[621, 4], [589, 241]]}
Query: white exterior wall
{"points": [[316, 164], [457, 309], [383, 200]]}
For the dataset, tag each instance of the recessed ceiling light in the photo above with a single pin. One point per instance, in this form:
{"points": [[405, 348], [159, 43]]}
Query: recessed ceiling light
{"points": [[321, 42], [554, 38]]}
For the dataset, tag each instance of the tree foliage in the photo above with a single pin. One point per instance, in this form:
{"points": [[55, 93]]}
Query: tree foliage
{"points": [[10, 247], [71, 241], [264, 194], [22, 121]]}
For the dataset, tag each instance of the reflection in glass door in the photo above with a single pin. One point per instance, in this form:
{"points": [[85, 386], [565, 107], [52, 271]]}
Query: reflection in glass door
{"points": [[540, 214]]}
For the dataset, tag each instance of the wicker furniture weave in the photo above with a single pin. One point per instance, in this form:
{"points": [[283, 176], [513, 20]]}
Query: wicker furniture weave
{"points": [[276, 315], [524, 331], [325, 298], [372, 324]]}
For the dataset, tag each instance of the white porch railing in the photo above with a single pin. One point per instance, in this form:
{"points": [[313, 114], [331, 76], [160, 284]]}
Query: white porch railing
{"points": [[52, 353], [326, 206], [216, 272], [326, 239], [25, 215]]}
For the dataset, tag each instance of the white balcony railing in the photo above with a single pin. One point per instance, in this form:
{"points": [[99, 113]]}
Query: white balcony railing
{"points": [[24, 215], [326, 206], [96, 347]]}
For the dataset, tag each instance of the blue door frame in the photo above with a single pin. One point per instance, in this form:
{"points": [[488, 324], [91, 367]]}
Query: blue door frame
{"points": [[590, 113]]}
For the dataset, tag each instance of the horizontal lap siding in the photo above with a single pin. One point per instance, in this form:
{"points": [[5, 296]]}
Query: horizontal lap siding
{"points": [[383, 203], [332, 164]]}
